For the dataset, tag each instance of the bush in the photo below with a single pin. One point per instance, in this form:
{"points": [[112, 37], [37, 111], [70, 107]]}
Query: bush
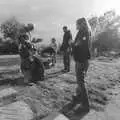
{"points": [[8, 48]]}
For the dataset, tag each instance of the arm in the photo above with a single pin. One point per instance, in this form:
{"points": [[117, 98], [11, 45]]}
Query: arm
{"points": [[77, 41]]}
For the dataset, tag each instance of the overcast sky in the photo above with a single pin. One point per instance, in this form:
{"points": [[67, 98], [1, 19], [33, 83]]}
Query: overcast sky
{"points": [[49, 16]]}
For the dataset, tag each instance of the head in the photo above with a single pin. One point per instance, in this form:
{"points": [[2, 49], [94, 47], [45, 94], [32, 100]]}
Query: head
{"points": [[82, 23], [65, 28], [53, 40]]}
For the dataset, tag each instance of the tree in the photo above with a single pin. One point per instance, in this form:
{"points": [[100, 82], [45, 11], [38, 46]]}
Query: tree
{"points": [[11, 28], [106, 31], [93, 22]]}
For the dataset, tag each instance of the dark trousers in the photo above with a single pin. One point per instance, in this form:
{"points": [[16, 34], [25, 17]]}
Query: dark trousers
{"points": [[81, 70], [66, 60]]}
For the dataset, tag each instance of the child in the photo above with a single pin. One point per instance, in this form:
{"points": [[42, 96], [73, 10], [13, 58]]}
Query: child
{"points": [[54, 46]]}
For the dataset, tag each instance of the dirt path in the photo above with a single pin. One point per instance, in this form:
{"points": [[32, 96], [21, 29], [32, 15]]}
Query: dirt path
{"points": [[111, 111], [102, 82]]}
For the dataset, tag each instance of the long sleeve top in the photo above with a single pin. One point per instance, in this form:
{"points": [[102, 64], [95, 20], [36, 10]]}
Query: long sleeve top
{"points": [[81, 46], [66, 40]]}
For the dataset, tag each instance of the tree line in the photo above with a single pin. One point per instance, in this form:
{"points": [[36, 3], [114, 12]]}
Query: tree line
{"points": [[105, 33]]}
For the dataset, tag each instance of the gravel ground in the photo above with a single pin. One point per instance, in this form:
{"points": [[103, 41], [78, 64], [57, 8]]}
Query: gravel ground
{"points": [[57, 89]]}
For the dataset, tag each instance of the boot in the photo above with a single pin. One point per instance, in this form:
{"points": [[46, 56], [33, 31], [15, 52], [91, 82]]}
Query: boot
{"points": [[76, 99], [82, 106], [66, 69], [81, 109]]}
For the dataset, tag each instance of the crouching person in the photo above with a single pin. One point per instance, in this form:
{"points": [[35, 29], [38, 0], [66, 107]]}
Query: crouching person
{"points": [[24, 57], [81, 55], [31, 67], [37, 67]]}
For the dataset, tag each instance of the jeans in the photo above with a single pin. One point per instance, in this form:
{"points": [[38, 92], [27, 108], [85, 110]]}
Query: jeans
{"points": [[66, 60], [81, 70]]}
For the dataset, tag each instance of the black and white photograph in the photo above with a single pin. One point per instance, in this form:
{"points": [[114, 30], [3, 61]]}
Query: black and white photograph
{"points": [[59, 60]]}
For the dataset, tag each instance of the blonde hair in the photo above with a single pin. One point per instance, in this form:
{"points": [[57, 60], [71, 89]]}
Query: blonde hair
{"points": [[83, 22]]}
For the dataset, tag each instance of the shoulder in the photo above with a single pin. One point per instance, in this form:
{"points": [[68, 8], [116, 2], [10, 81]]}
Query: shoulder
{"points": [[69, 32]]}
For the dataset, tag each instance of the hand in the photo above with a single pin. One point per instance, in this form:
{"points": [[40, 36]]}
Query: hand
{"points": [[31, 58], [77, 43]]}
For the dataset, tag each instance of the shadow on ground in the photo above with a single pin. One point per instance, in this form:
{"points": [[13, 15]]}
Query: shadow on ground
{"points": [[54, 93], [73, 111], [54, 74]]}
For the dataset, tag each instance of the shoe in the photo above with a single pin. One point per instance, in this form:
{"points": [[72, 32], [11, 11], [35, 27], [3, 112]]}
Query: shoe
{"points": [[65, 70], [76, 99], [68, 70], [82, 109], [42, 78], [27, 84], [67, 108]]}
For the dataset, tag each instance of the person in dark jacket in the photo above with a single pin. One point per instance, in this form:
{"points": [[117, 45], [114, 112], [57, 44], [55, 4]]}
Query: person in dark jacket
{"points": [[81, 55], [31, 67], [66, 47]]}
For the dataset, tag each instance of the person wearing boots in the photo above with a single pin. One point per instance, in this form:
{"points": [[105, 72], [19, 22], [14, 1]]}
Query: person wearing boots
{"points": [[81, 55], [66, 47]]}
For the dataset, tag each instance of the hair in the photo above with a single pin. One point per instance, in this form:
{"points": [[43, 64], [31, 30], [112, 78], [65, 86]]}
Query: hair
{"points": [[53, 39], [84, 23], [64, 27]]}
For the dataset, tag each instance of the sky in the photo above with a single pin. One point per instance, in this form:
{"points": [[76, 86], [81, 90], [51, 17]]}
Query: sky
{"points": [[49, 16]]}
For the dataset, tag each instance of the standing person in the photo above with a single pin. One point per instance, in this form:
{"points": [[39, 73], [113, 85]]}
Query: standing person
{"points": [[81, 55], [66, 47], [53, 44]]}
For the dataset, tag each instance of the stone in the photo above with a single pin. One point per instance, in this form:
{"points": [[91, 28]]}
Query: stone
{"points": [[16, 111], [56, 116], [7, 94]]}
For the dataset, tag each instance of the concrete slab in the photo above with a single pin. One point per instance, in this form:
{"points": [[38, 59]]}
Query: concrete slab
{"points": [[16, 111], [56, 116]]}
